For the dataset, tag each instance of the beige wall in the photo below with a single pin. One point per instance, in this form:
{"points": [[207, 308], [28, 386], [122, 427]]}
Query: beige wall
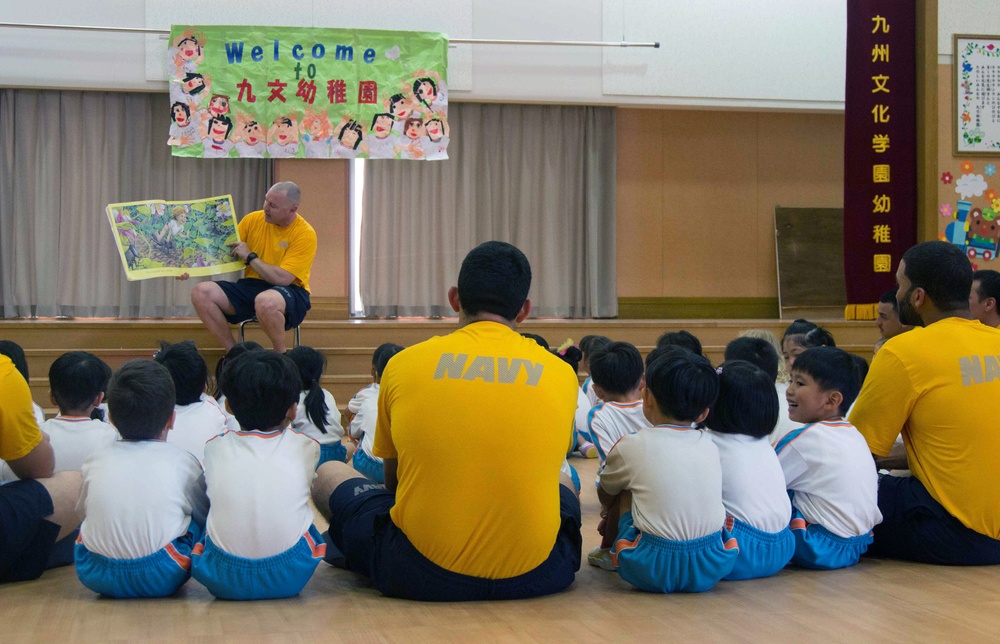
{"points": [[697, 191], [696, 197], [325, 204]]}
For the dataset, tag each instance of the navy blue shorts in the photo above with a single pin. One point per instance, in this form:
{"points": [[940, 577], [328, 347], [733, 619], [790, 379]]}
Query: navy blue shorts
{"points": [[26, 538], [373, 546], [915, 527], [242, 293]]}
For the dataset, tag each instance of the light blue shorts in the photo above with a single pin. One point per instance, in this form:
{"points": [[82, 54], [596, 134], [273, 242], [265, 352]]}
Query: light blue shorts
{"points": [[157, 575], [659, 565], [332, 452], [762, 554], [284, 575], [819, 549], [370, 468]]}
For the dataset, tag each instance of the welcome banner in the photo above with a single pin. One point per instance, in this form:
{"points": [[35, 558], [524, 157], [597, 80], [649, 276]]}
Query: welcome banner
{"points": [[297, 92], [880, 156]]}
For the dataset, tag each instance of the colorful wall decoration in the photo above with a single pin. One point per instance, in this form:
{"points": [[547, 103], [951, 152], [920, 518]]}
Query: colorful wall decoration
{"points": [[296, 92], [970, 208]]}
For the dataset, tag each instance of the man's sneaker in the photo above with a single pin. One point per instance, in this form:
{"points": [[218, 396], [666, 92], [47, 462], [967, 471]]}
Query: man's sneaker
{"points": [[601, 557], [588, 450]]}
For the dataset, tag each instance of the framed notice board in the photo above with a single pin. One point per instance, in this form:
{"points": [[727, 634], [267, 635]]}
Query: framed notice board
{"points": [[810, 254], [976, 65]]}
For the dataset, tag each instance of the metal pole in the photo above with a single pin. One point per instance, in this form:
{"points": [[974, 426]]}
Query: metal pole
{"points": [[452, 41]]}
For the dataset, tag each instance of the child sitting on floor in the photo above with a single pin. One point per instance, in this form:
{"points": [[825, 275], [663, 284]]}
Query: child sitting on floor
{"points": [[364, 406], [589, 345], [753, 485], [198, 417], [829, 471], [238, 349], [143, 500], [317, 415], [617, 374], [661, 488], [76, 386], [571, 355], [260, 541]]}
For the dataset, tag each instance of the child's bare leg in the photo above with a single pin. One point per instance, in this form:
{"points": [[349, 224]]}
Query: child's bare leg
{"points": [[621, 505]]}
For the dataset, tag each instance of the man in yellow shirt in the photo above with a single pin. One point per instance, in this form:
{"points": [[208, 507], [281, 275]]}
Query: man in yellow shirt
{"points": [[461, 517], [278, 248], [40, 509], [937, 384]]}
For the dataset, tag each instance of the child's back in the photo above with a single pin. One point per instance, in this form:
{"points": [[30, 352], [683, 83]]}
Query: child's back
{"points": [[143, 500], [753, 485], [198, 418], [74, 439], [364, 406], [317, 415], [260, 541], [617, 373]]}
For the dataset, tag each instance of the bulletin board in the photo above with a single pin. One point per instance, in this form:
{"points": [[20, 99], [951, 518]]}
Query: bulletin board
{"points": [[810, 254], [976, 66]]}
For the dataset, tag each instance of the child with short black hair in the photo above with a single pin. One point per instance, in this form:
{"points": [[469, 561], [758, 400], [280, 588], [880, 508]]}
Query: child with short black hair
{"points": [[661, 488], [589, 345], [238, 349], [617, 371], [829, 471], [198, 418], [757, 352], [364, 406], [77, 381], [683, 339], [317, 415], [143, 500], [582, 444], [753, 484], [617, 374], [269, 550]]}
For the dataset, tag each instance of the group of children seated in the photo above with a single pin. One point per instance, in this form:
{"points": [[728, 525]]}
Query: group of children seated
{"points": [[716, 485], [705, 475]]}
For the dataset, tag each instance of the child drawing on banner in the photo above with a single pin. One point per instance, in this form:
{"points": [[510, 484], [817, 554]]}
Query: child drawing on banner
{"points": [[191, 89], [218, 105], [174, 228], [349, 135], [316, 136], [187, 54], [401, 107], [412, 146], [382, 140], [283, 137], [436, 143], [249, 137], [429, 90], [217, 143], [184, 129]]}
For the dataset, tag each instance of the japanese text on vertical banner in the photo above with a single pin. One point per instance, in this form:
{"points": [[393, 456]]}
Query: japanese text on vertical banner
{"points": [[879, 149], [285, 92]]}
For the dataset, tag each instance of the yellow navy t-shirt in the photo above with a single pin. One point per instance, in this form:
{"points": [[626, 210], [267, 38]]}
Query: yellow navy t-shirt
{"points": [[479, 421], [292, 247]]}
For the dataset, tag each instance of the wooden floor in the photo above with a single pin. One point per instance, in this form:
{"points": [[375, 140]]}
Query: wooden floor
{"points": [[875, 600]]}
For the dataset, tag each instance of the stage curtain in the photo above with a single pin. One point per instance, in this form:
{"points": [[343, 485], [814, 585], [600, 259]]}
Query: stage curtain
{"points": [[65, 155], [539, 177]]}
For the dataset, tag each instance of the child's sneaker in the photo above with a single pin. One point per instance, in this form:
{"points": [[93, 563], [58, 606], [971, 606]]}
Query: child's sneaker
{"points": [[588, 450], [601, 557]]}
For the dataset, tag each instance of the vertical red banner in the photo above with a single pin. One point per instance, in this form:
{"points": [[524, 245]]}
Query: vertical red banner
{"points": [[880, 151]]}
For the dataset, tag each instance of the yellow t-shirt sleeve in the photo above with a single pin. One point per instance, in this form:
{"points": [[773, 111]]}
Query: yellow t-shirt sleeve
{"points": [[301, 251], [19, 433], [885, 402], [383, 447]]}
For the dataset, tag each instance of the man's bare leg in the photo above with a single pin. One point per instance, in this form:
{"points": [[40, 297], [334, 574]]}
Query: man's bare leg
{"points": [[212, 305], [270, 308], [64, 489], [329, 477]]}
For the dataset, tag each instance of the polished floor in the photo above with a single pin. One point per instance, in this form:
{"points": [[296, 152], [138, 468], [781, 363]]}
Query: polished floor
{"points": [[875, 600]]}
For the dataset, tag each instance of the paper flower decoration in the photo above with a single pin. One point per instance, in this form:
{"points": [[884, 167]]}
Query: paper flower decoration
{"points": [[945, 210], [966, 167], [990, 169], [946, 178]]}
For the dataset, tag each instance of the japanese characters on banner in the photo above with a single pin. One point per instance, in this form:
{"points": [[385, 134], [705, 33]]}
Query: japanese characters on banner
{"points": [[880, 170], [296, 92]]}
